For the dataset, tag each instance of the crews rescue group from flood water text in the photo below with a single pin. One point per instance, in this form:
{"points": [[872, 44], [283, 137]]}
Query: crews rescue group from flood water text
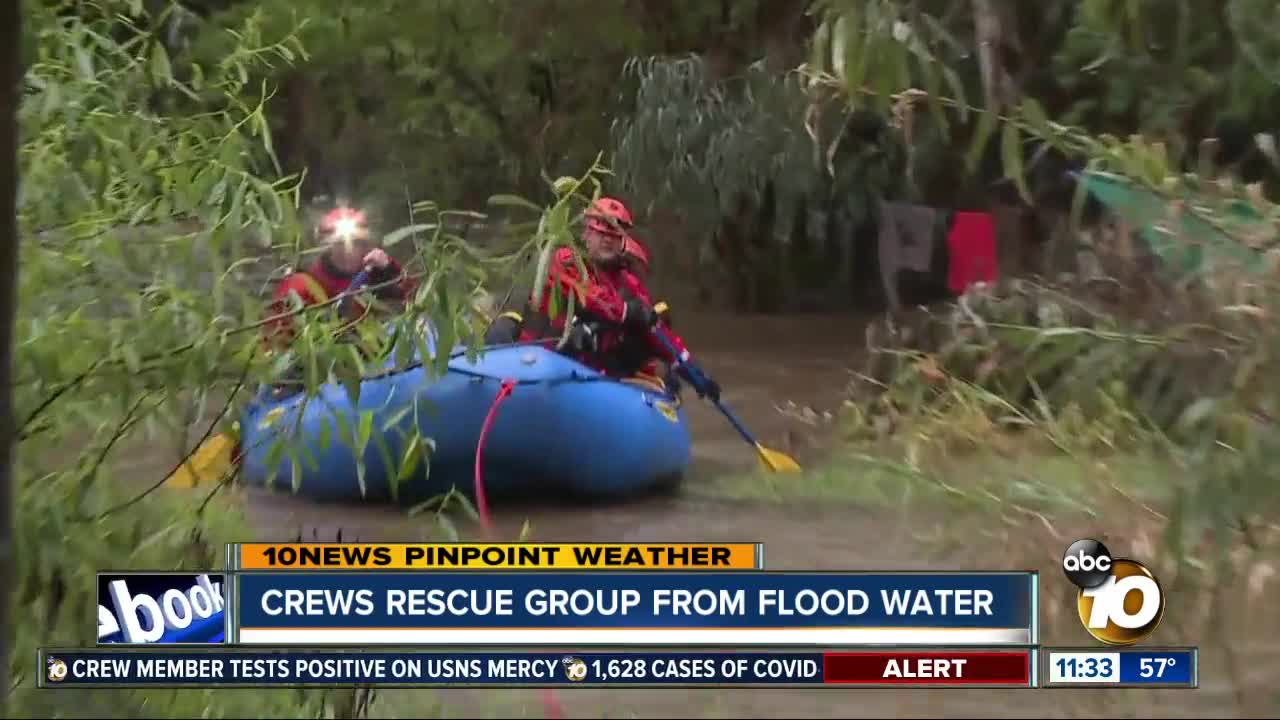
{"points": [[951, 602]]}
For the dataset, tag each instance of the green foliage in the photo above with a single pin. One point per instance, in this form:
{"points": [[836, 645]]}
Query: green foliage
{"points": [[56, 594], [1133, 359], [132, 223], [1174, 72], [146, 237], [755, 167], [1094, 370], [443, 99], [1156, 67], [708, 143]]}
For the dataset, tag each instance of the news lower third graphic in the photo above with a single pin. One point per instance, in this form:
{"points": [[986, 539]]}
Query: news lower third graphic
{"points": [[231, 667], [161, 608], [642, 615], [1120, 601]]}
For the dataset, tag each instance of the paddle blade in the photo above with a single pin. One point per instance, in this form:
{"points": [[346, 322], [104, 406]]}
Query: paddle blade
{"points": [[208, 464], [776, 461]]}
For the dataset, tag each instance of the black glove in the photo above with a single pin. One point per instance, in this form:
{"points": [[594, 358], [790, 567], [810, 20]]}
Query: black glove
{"points": [[710, 389], [639, 315], [382, 278], [505, 330], [582, 338], [672, 381]]}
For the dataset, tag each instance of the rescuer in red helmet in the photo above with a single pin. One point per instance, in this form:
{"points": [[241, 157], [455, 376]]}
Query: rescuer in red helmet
{"points": [[637, 262], [634, 354], [602, 313], [611, 303]]}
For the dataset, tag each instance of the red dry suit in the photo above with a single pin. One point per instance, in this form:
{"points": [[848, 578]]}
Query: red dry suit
{"points": [[321, 282], [610, 296]]}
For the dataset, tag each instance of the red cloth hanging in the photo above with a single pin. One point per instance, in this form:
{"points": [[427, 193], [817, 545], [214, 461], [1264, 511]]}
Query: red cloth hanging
{"points": [[972, 248]]}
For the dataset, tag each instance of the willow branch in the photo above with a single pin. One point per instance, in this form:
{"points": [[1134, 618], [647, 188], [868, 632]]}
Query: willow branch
{"points": [[226, 407]]}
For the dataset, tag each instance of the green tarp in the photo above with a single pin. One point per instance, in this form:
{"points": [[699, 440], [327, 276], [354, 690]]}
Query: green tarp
{"points": [[1191, 249]]}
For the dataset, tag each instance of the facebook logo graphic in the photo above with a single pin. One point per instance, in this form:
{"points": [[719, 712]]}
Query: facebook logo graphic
{"points": [[161, 608]]}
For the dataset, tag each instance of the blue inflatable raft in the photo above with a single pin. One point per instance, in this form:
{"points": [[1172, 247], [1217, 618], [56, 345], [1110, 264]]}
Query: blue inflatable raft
{"points": [[564, 427]]}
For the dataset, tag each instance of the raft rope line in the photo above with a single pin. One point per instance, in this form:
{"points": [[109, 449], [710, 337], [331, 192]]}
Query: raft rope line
{"points": [[482, 504], [550, 703]]}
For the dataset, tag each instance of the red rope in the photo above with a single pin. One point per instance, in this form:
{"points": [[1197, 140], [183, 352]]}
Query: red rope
{"points": [[482, 505], [551, 705]]}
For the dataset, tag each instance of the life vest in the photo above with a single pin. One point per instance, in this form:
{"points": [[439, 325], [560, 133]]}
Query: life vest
{"points": [[371, 341]]}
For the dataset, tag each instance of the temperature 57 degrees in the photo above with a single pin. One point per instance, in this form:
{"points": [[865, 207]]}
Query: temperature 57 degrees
{"points": [[1155, 667]]}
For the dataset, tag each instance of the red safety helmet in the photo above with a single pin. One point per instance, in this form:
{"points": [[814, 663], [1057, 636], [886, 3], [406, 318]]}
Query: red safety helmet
{"points": [[343, 224], [610, 216]]}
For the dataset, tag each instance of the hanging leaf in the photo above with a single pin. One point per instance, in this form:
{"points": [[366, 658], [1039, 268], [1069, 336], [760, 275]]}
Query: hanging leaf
{"points": [[986, 126], [161, 71], [349, 376], [326, 432], [514, 201], [1011, 155], [295, 468], [823, 55], [275, 453], [409, 463], [957, 92], [933, 86], [1035, 116], [398, 235]]}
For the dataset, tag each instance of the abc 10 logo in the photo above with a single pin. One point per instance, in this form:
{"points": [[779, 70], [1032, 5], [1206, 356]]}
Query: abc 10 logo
{"points": [[1119, 600]]}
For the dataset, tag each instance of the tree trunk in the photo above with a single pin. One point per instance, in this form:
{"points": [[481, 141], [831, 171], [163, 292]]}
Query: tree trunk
{"points": [[10, 36]]}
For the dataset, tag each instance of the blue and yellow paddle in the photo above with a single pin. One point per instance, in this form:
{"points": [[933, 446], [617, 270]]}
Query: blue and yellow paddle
{"points": [[772, 460]]}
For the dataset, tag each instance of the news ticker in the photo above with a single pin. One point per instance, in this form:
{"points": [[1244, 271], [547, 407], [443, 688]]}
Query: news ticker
{"points": [[213, 667]]}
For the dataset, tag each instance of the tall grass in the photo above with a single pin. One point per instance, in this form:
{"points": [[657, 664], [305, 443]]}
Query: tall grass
{"points": [[1124, 401]]}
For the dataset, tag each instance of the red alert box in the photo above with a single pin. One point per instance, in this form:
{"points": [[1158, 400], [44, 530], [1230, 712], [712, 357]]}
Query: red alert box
{"points": [[959, 668]]}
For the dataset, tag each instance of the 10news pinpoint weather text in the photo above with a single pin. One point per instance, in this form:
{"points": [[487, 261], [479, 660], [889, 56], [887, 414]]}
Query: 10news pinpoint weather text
{"points": [[661, 614]]}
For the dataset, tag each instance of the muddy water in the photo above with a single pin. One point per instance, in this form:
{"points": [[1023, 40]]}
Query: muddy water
{"points": [[762, 363]]}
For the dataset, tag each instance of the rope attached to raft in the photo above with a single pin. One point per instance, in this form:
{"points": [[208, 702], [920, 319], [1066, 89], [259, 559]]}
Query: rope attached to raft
{"points": [[551, 704]]}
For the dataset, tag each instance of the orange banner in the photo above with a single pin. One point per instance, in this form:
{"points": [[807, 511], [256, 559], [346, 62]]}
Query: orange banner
{"points": [[501, 556]]}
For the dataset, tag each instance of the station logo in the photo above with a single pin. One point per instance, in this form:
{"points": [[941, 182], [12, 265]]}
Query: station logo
{"points": [[57, 670], [575, 669], [1120, 601]]}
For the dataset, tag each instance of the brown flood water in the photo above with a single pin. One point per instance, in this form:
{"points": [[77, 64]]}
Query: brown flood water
{"points": [[763, 362]]}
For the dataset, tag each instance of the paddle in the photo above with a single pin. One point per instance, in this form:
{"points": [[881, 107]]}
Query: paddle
{"points": [[215, 456], [771, 459]]}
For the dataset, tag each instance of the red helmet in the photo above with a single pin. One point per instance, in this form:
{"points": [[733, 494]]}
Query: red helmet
{"points": [[608, 215], [342, 224], [633, 249]]}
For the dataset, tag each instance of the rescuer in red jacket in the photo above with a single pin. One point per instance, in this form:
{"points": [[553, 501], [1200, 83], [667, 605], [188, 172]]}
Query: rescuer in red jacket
{"points": [[634, 354], [348, 249], [611, 304], [636, 256]]}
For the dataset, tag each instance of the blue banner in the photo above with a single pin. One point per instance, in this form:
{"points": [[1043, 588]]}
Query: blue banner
{"points": [[1166, 667], [224, 667], [650, 607]]}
